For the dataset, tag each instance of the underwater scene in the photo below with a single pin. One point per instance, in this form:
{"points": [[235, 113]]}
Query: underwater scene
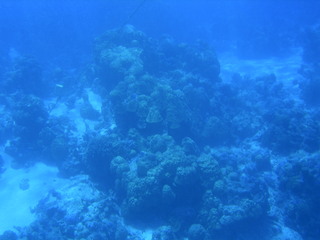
{"points": [[159, 120]]}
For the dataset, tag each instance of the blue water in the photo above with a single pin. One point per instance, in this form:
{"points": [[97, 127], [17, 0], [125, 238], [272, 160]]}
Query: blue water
{"points": [[159, 120]]}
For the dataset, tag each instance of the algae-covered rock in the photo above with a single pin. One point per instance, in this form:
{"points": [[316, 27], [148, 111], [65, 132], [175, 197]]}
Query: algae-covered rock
{"points": [[77, 210], [197, 232], [154, 116], [26, 77]]}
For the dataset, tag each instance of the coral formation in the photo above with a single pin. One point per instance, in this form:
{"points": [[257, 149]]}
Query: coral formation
{"points": [[181, 150], [26, 77]]}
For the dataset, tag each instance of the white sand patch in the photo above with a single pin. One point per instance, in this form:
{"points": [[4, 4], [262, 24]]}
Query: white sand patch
{"points": [[81, 125], [60, 109], [94, 99], [16, 203], [145, 234], [75, 117]]}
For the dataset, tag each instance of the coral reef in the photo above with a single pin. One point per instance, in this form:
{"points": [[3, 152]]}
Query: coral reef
{"points": [[300, 185], [182, 151], [29, 116], [77, 211], [26, 77]]}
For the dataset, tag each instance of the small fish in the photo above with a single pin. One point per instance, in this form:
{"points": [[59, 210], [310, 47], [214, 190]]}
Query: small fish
{"points": [[59, 85]]}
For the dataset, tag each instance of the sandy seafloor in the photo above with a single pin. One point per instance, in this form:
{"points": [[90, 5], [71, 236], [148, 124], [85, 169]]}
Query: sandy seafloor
{"points": [[285, 69], [22, 189]]}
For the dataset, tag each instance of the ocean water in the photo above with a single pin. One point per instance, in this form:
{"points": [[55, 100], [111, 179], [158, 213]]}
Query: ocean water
{"points": [[159, 120]]}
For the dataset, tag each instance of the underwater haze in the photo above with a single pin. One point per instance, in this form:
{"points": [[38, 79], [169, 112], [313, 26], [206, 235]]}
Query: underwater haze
{"points": [[159, 120]]}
